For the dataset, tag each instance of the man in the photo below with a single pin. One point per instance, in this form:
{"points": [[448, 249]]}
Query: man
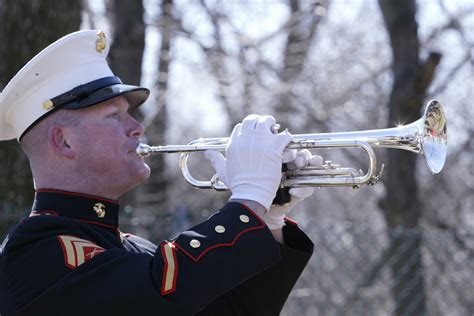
{"points": [[70, 115]]}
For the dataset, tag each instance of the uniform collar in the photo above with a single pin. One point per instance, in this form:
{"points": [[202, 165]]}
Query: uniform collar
{"points": [[84, 207]]}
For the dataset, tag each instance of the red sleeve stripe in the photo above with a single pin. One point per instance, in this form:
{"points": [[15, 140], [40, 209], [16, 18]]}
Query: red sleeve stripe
{"points": [[170, 269], [231, 244], [262, 225], [291, 221]]}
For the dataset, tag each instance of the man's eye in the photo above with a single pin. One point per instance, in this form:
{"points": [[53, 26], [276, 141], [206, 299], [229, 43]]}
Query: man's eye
{"points": [[115, 115]]}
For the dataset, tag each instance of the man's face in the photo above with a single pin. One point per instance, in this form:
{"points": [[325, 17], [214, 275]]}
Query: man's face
{"points": [[104, 144]]}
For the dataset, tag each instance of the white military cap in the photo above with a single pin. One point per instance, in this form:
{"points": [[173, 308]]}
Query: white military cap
{"points": [[71, 73]]}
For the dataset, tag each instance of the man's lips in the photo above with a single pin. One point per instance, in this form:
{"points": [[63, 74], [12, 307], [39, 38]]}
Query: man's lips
{"points": [[134, 150]]}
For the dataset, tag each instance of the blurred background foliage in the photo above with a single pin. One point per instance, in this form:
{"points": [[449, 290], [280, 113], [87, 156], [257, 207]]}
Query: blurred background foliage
{"points": [[402, 247]]}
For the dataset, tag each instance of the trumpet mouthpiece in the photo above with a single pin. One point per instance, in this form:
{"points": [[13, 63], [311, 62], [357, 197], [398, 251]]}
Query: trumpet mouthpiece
{"points": [[143, 150]]}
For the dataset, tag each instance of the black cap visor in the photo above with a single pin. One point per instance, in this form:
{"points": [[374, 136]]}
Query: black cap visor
{"points": [[135, 96], [99, 91]]}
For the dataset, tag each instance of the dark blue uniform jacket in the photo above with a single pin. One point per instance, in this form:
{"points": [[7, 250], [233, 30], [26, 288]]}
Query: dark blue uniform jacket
{"points": [[70, 258]]}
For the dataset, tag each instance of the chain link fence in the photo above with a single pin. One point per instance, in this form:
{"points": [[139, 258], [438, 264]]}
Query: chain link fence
{"points": [[362, 270]]}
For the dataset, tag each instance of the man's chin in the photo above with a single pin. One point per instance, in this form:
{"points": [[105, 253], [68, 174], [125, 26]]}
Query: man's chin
{"points": [[144, 173], [138, 174], [138, 178]]}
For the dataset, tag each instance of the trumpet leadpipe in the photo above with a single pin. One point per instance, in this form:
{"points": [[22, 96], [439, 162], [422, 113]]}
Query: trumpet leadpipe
{"points": [[144, 150]]}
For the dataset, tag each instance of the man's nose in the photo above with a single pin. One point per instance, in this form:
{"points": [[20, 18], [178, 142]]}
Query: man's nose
{"points": [[137, 129]]}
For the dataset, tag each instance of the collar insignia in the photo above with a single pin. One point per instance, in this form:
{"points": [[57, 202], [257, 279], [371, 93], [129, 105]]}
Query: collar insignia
{"points": [[99, 209]]}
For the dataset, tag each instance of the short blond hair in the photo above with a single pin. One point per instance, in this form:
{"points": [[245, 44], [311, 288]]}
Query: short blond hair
{"points": [[34, 140]]}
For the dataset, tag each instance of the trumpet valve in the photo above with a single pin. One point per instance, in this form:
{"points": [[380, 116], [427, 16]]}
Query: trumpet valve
{"points": [[329, 165], [377, 177], [275, 128]]}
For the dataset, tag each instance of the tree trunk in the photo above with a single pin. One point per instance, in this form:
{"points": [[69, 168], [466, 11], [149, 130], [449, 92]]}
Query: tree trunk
{"points": [[126, 53], [27, 26], [125, 58], [401, 205]]}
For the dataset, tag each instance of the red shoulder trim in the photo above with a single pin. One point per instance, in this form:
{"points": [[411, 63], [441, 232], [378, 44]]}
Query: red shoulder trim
{"points": [[94, 223]]}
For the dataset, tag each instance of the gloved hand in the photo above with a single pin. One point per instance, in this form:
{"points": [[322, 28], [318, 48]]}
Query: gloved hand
{"points": [[302, 159], [275, 217], [252, 169]]}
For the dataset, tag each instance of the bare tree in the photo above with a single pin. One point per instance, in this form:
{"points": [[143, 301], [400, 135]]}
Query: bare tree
{"points": [[301, 28], [126, 57], [126, 53], [401, 205]]}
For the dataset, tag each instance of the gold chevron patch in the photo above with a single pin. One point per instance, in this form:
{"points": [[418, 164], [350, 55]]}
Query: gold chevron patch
{"points": [[77, 250]]}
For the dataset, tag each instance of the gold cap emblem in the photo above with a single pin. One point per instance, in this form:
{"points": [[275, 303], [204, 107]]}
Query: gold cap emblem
{"points": [[100, 43], [99, 209]]}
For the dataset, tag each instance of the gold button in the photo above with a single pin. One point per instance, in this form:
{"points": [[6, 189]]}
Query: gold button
{"points": [[195, 243], [244, 218], [220, 229], [48, 105]]}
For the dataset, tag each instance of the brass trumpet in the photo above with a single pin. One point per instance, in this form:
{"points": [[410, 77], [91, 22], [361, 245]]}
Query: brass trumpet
{"points": [[427, 136]]}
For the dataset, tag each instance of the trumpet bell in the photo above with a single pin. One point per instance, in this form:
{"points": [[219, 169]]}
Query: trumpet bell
{"points": [[434, 140]]}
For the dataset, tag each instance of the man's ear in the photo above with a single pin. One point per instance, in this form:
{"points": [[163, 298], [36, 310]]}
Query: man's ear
{"points": [[58, 140]]}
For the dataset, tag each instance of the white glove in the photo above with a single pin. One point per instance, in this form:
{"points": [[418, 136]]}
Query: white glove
{"points": [[304, 158], [252, 170], [275, 217]]}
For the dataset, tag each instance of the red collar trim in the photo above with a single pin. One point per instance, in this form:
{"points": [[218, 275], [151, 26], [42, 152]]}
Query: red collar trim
{"points": [[78, 206], [90, 196]]}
